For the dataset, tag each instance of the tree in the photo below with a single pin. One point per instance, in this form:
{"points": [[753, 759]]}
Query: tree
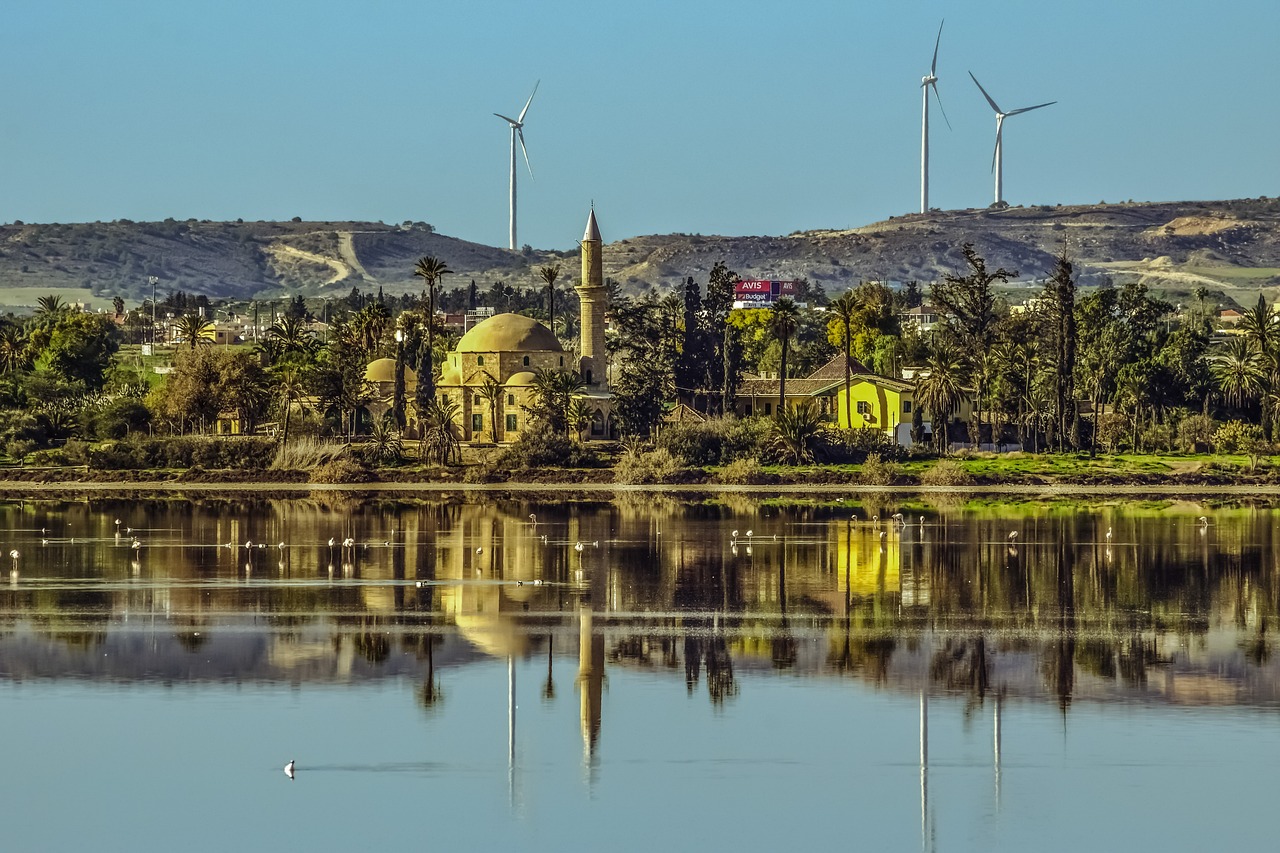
{"points": [[117, 305], [691, 363], [51, 304], [78, 347], [193, 330], [491, 391], [553, 392], [1062, 288], [1239, 372], [431, 270], [969, 304], [289, 388], [724, 366], [845, 307], [794, 431], [940, 390], [549, 275], [579, 417], [782, 323], [440, 441]]}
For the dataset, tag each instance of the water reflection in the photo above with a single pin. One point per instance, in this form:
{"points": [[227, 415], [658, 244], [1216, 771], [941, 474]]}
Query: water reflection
{"points": [[1064, 612], [942, 610]]}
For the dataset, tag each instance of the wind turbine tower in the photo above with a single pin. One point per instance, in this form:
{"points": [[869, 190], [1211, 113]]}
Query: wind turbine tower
{"points": [[997, 164], [517, 130], [927, 82]]}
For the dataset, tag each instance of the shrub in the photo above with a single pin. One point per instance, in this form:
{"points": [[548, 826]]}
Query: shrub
{"points": [[855, 445], [1158, 438], [482, 472], [1113, 428], [638, 467], [306, 453], [716, 441], [947, 472], [1195, 433], [876, 472], [338, 471], [139, 451], [1237, 437], [743, 472], [544, 448]]}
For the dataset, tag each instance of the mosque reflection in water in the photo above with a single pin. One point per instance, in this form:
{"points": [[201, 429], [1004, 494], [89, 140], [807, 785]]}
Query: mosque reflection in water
{"points": [[1166, 609]]}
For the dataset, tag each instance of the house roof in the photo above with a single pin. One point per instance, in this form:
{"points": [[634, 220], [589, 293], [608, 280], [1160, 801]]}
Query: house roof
{"points": [[834, 369]]}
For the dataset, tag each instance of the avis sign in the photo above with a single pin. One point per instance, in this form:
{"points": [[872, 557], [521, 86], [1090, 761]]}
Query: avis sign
{"points": [[763, 291]]}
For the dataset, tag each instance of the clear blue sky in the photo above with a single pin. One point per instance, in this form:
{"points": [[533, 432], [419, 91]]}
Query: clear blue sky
{"points": [[706, 117]]}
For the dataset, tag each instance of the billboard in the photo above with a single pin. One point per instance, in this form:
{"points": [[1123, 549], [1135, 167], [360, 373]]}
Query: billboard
{"points": [[763, 291]]}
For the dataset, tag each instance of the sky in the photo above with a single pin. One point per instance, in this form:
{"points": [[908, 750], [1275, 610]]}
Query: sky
{"points": [[733, 118]]}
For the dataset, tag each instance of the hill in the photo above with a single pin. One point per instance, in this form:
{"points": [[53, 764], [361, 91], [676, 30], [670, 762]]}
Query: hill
{"points": [[1232, 247]]}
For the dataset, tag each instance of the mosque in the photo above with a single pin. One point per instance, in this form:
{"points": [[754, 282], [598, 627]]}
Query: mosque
{"points": [[509, 348]]}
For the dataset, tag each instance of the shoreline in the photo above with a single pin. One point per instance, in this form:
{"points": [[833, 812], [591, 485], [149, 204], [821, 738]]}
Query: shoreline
{"points": [[19, 488]]}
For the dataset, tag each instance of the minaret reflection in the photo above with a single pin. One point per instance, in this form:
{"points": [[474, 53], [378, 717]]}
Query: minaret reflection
{"points": [[924, 767], [995, 747], [591, 684], [512, 788]]}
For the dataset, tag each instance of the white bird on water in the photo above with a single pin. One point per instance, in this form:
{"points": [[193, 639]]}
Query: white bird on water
{"points": [[577, 546], [1108, 535], [288, 769], [1013, 534]]}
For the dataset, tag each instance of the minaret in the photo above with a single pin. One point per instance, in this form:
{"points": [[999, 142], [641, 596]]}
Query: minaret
{"points": [[594, 300]]}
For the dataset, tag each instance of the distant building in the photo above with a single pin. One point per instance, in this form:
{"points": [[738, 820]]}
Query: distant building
{"points": [[922, 317], [508, 349]]}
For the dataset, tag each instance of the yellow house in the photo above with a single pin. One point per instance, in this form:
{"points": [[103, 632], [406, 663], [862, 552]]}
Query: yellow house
{"points": [[877, 402], [888, 405]]}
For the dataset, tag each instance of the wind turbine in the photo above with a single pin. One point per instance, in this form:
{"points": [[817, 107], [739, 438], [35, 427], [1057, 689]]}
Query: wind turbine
{"points": [[930, 80], [517, 129], [996, 164]]}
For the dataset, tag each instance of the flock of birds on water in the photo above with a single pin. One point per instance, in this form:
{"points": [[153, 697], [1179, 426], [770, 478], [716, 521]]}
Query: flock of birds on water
{"points": [[347, 545]]}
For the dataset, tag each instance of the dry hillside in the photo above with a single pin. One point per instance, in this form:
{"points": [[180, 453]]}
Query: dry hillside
{"points": [[1175, 247]]}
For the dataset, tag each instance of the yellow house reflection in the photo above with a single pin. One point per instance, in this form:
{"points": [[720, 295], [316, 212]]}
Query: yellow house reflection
{"points": [[868, 565]]}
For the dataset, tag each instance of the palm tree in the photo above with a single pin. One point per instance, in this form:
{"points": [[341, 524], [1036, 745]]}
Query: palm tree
{"points": [[491, 391], [193, 330], [795, 429], [431, 270], [288, 388], [845, 308], [553, 392], [1259, 325], [1239, 372], [51, 304], [939, 391], [783, 323], [579, 417], [385, 442], [292, 334], [440, 431], [13, 349], [549, 275]]}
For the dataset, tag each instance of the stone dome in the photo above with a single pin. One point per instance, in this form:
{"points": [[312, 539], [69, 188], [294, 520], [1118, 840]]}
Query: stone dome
{"points": [[509, 333], [384, 370], [523, 378]]}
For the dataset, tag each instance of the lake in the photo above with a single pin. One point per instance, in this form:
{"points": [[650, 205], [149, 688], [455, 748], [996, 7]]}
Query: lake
{"points": [[648, 672]]}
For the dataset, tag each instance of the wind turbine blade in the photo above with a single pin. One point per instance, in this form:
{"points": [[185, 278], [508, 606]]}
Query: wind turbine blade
{"points": [[933, 69], [996, 150], [528, 102], [938, 98], [993, 104], [520, 133], [1029, 109], [508, 120]]}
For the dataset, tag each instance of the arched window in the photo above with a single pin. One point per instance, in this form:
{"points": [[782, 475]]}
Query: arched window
{"points": [[511, 399], [526, 361], [562, 361], [588, 377], [480, 360]]}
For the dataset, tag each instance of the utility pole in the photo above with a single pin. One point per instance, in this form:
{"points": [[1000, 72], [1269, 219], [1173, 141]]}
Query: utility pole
{"points": [[153, 280]]}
